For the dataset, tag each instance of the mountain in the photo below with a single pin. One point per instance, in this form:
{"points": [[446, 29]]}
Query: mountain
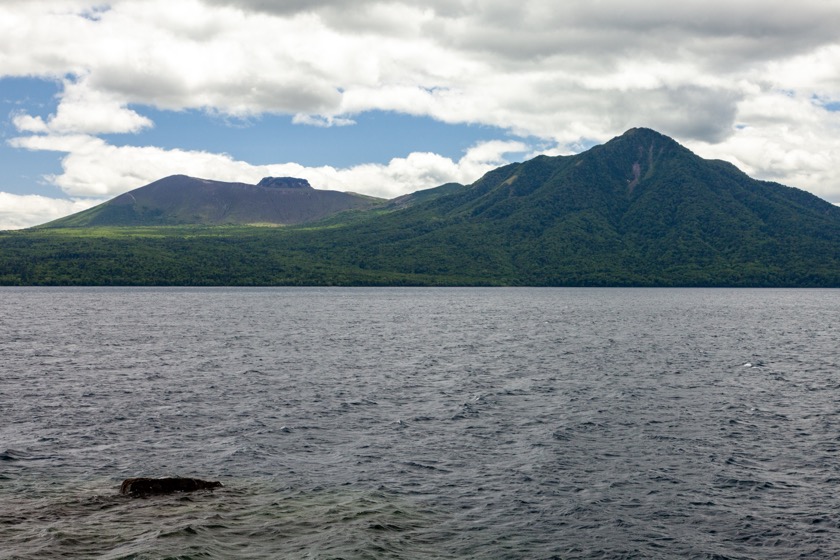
{"points": [[179, 200], [640, 210]]}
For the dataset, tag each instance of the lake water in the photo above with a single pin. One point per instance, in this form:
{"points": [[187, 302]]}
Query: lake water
{"points": [[421, 423]]}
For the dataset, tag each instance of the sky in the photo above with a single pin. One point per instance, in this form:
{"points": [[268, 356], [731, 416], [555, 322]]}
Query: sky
{"points": [[387, 97]]}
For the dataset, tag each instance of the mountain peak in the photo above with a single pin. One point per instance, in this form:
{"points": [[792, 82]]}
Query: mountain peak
{"points": [[284, 183], [641, 134]]}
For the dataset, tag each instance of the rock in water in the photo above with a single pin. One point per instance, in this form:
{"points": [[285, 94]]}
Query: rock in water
{"points": [[147, 486]]}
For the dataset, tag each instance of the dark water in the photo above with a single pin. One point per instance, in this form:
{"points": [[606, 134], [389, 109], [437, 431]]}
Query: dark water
{"points": [[421, 423]]}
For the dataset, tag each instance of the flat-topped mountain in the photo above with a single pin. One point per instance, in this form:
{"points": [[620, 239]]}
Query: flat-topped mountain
{"points": [[181, 200]]}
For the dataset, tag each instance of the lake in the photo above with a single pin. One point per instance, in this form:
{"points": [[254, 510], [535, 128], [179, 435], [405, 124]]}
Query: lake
{"points": [[421, 423]]}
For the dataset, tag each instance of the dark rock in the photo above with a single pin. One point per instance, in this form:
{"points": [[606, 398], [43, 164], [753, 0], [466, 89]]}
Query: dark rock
{"points": [[147, 486], [284, 183]]}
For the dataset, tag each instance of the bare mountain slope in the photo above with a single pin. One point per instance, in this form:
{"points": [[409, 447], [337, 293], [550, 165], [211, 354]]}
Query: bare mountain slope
{"points": [[180, 200]]}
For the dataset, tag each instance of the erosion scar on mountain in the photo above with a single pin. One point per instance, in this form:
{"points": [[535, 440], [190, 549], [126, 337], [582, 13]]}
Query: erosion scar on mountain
{"points": [[637, 172]]}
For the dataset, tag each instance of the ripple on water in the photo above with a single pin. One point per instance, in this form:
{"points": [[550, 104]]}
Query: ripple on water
{"points": [[242, 520], [421, 423]]}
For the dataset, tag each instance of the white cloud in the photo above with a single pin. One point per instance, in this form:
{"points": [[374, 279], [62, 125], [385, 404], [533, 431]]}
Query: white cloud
{"points": [[90, 111], [87, 111], [21, 211], [93, 167], [28, 123], [775, 141], [521, 66], [326, 122], [58, 143]]}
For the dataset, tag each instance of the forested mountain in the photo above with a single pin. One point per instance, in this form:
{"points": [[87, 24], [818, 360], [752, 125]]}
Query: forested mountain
{"points": [[640, 210]]}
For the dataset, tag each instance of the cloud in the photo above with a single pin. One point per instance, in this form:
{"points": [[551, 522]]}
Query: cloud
{"points": [[533, 67], [326, 122], [85, 110], [21, 211], [92, 167], [776, 140]]}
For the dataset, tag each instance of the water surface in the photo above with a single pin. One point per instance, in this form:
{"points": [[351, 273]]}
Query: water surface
{"points": [[421, 423]]}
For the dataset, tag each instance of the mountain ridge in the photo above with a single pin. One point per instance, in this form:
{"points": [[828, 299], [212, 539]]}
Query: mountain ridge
{"points": [[621, 212], [639, 210]]}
